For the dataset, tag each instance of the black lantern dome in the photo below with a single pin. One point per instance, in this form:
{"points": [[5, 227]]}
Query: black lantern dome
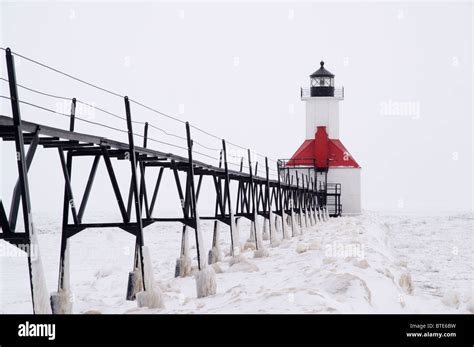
{"points": [[322, 82]]}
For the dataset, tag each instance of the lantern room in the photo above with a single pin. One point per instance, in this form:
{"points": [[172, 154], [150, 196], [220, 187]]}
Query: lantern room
{"points": [[322, 82]]}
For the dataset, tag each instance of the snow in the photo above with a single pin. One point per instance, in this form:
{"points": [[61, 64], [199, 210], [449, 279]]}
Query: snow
{"points": [[200, 242], [285, 226], [206, 277], [261, 252], [451, 299], [40, 291], [301, 248], [293, 225], [206, 282], [265, 234], [299, 224], [235, 235], [148, 269], [152, 297], [306, 224], [183, 263], [215, 254], [274, 241], [61, 301], [372, 263], [405, 283]]}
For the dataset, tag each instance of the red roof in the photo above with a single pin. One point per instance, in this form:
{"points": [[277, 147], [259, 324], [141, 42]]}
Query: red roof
{"points": [[324, 152]]}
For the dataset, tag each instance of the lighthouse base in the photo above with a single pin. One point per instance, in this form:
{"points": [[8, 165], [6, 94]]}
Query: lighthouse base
{"points": [[349, 178]]}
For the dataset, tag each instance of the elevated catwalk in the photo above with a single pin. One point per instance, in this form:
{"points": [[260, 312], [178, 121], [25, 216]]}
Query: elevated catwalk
{"points": [[296, 205]]}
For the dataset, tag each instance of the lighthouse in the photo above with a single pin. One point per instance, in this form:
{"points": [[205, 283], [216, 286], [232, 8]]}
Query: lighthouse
{"points": [[322, 157]]}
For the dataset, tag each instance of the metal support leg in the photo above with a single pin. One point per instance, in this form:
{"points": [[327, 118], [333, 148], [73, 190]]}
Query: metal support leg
{"points": [[115, 186], [138, 262], [23, 179], [234, 239], [87, 191], [16, 191], [193, 206]]}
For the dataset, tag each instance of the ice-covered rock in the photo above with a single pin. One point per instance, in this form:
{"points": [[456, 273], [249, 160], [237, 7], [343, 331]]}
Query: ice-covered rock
{"points": [[206, 282], [406, 283], [301, 248], [451, 299]]}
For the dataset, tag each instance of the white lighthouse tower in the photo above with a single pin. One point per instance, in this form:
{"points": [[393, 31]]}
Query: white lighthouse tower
{"points": [[322, 148]]}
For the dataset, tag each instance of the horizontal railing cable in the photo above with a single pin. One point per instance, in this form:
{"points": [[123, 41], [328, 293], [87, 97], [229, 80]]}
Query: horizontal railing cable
{"points": [[66, 74], [156, 111], [92, 122], [111, 114], [37, 91], [121, 96], [69, 99], [64, 114], [98, 109]]}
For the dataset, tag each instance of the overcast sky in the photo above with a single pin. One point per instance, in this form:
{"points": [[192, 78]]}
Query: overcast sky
{"points": [[236, 71]]}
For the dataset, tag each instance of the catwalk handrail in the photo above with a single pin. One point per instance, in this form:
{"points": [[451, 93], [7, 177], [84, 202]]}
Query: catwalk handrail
{"points": [[98, 140], [106, 112]]}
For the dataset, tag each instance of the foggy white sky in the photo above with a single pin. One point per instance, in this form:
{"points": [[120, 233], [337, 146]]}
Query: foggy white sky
{"points": [[236, 69]]}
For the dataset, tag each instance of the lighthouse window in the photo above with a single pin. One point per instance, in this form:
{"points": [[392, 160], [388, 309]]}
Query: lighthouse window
{"points": [[322, 82]]}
